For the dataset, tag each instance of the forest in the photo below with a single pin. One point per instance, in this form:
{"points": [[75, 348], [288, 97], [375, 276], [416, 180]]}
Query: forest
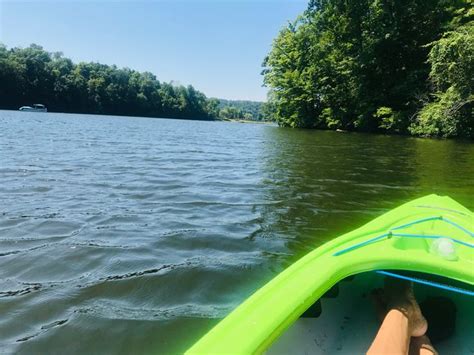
{"points": [[33, 75], [390, 66]]}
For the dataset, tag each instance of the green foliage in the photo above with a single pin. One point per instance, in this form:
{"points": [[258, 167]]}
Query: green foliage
{"points": [[452, 61], [452, 74], [329, 119], [230, 112], [31, 75], [390, 121], [268, 111], [240, 109], [361, 65], [435, 119], [288, 73]]}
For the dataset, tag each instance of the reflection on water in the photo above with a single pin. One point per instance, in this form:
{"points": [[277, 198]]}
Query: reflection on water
{"points": [[131, 234], [329, 183]]}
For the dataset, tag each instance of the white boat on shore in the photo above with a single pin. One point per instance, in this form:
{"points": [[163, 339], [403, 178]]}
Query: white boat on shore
{"points": [[34, 108]]}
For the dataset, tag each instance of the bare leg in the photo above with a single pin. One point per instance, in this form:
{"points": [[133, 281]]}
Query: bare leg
{"points": [[393, 336], [403, 320]]}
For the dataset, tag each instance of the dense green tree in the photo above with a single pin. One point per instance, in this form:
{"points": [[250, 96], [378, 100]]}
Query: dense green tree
{"points": [[230, 112], [240, 109], [213, 107], [358, 65], [452, 74], [31, 75], [288, 72]]}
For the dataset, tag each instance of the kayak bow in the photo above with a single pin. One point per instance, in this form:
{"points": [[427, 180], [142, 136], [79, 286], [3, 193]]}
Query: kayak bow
{"points": [[432, 235]]}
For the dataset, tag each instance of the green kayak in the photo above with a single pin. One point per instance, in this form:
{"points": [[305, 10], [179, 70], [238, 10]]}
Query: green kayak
{"points": [[429, 240]]}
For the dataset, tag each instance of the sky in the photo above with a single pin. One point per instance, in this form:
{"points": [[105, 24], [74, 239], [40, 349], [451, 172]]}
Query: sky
{"points": [[215, 45]]}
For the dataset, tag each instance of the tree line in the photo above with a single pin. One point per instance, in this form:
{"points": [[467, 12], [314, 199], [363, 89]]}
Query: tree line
{"points": [[33, 75], [242, 109], [396, 66]]}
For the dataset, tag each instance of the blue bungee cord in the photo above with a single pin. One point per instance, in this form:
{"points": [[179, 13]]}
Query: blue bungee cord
{"points": [[428, 283], [402, 235]]}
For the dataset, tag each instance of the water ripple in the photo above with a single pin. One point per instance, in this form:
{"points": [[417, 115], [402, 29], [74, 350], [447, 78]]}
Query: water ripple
{"points": [[130, 233]]}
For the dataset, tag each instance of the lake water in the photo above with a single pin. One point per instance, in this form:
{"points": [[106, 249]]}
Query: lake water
{"points": [[121, 235]]}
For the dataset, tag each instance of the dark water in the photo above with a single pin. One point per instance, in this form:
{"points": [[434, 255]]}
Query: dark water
{"points": [[122, 235]]}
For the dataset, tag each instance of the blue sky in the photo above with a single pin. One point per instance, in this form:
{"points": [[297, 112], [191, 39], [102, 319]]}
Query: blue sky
{"points": [[216, 45]]}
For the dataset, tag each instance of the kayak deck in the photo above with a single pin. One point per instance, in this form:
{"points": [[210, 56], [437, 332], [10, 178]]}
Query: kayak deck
{"points": [[348, 323]]}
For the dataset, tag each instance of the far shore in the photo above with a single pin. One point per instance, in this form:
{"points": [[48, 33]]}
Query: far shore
{"points": [[243, 121]]}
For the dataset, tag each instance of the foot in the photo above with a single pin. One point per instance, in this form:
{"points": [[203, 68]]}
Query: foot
{"points": [[399, 296], [380, 304], [421, 346]]}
